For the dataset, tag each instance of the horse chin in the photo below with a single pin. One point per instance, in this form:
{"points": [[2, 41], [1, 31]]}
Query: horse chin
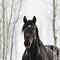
{"points": [[29, 46]]}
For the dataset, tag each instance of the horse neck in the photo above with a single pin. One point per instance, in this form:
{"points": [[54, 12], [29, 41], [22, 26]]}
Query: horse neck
{"points": [[34, 49], [39, 41], [35, 44]]}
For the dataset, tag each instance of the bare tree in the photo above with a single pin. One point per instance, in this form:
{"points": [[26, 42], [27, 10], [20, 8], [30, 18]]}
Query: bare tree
{"points": [[14, 23], [55, 6], [8, 27], [55, 29], [54, 34], [4, 42]]}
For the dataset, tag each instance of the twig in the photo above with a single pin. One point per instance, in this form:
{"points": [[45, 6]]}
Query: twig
{"points": [[3, 29]]}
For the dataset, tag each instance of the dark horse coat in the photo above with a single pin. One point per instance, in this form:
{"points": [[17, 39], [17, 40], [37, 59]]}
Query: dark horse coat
{"points": [[37, 50]]}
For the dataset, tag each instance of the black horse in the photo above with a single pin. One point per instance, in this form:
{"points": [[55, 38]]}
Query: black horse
{"points": [[35, 50]]}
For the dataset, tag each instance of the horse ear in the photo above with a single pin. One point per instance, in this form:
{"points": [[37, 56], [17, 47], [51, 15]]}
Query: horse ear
{"points": [[34, 19], [24, 19]]}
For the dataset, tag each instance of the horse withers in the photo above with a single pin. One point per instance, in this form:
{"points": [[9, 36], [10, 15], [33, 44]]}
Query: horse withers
{"points": [[35, 50]]}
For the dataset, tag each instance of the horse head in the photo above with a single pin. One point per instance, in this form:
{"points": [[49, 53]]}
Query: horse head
{"points": [[29, 29]]}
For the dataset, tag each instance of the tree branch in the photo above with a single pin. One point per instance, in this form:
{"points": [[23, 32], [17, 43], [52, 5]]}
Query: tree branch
{"points": [[3, 29], [12, 42], [18, 12]]}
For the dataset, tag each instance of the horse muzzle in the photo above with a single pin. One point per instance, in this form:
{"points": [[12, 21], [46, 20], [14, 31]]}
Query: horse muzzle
{"points": [[27, 44]]}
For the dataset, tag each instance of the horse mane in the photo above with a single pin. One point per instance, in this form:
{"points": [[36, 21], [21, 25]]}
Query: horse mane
{"points": [[39, 41]]}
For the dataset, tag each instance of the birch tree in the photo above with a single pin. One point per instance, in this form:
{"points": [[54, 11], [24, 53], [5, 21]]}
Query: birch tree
{"points": [[54, 34], [55, 29], [55, 26], [8, 20]]}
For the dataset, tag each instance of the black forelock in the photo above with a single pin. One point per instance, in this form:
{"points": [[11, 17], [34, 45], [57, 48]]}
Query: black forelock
{"points": [[29, 22]]}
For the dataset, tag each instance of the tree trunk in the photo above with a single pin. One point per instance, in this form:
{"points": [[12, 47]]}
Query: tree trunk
{"points": [[54, 34]]}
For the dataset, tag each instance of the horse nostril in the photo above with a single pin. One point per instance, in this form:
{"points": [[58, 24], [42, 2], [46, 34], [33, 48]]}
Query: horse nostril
{"points": [[28, 37], [26, 43]]}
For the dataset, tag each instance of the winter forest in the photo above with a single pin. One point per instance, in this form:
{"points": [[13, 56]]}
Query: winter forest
{"points": [[12, 12]]}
